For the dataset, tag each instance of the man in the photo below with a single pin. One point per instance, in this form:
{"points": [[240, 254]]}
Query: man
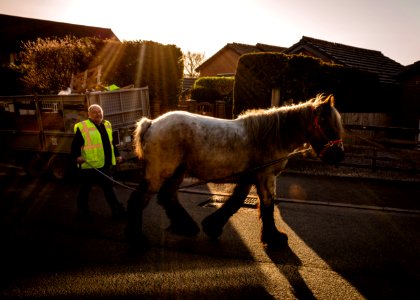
{"points": [[93, 147]]}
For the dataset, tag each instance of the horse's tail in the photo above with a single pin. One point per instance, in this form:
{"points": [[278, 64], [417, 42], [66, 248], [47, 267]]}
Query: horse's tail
{"points": [[139, 132]]}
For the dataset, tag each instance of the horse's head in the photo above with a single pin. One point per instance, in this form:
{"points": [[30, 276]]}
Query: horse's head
{"points": [[327, 130]]}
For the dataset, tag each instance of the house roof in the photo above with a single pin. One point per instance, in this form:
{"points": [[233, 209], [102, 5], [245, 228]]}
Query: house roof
{"points": [[363, 59], [270, 48], [15, 29], [241, 49], [411, 69]]}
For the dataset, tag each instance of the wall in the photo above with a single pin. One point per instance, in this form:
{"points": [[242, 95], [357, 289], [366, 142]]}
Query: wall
{"points": [[411, 101], [224, 62]]}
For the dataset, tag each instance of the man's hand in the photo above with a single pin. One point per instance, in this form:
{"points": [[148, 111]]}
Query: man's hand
{"points": [[80, 160]]}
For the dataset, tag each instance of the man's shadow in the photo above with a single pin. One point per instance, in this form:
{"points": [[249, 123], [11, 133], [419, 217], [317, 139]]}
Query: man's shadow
{"points": [[288, 264]]}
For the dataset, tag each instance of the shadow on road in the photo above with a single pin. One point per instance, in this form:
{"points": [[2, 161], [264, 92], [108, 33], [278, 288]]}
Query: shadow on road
{"points": [[288, 264], [46, 253], [376, 252]]}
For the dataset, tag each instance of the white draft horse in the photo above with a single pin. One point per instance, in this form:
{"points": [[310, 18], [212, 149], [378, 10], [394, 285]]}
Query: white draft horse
{"points": [[208, 148]]}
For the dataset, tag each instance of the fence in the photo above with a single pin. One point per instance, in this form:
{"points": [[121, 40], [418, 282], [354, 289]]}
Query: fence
{"points": [[123, 107], [382, 147], [370, 143], [218, 109], [369, 147]]}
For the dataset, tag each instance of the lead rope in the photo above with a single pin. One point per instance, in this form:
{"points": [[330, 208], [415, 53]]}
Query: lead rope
{"points": [[235, 175], [111, 179]]}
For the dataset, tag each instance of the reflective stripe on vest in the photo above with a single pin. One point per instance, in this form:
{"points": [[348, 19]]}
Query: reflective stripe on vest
{"points": [[93, 150]]}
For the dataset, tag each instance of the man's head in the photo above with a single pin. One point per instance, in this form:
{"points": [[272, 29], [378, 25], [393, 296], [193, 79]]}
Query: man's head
{"points": [[95, 113]]}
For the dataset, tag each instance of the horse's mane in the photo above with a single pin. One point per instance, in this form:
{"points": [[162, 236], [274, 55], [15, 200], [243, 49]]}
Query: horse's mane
{"points": [[279, 126]]}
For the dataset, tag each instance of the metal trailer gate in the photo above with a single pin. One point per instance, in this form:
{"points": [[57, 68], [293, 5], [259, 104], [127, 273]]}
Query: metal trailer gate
{"points": [[38, 130]]}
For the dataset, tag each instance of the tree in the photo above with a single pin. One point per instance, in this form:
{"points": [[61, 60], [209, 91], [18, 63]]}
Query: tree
{"points": [[48, 64], [146, 63], [191, 61]]}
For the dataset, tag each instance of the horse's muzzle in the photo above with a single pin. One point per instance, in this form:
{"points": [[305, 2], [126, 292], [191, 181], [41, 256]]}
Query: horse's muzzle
{"points": [[333, 154]]}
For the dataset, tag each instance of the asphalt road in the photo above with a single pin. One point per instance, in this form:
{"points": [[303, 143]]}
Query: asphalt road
{"points": [[340, 246]]}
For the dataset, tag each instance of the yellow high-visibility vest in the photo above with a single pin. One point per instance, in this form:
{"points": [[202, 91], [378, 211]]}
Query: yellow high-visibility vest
{"points": [[93, 150]]}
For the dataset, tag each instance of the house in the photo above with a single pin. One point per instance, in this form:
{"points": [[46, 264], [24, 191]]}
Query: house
{"points": [[14, 30], [386, 69], [363, 59], [224, 62], [396, 95], [409, 78]]}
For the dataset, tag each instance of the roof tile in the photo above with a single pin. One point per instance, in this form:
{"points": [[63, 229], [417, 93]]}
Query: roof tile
{"points": [[363, 59]]}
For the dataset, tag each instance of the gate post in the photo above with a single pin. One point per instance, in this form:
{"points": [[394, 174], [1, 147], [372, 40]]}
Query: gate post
{"points": [[275, 97], [220, 111], [192, 106]]}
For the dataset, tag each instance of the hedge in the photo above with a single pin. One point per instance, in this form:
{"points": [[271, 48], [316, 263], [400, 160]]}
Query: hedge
{"points": [[205, 94], [145, 63], [210, 89]]}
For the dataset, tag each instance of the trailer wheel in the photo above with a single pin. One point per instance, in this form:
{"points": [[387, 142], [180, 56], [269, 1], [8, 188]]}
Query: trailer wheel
{"points": [[58, 165], [35, 165]]}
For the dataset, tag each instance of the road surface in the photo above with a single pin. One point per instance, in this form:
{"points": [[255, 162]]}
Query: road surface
{"points": [[335, 251]]}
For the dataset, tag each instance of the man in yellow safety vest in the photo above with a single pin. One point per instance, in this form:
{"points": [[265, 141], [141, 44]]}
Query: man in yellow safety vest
{"points": [[93, 148]]}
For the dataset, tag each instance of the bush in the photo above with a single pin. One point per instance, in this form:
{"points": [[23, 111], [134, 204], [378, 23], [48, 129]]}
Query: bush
{"points": [[213, 88], [205, 94], [48, 64]]}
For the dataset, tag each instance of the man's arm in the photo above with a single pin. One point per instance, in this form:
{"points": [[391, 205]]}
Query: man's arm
{"points": [[116, 151], [76, 147]]}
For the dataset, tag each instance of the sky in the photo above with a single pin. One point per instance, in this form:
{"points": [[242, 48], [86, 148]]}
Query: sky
{"points": [[389, 26]]}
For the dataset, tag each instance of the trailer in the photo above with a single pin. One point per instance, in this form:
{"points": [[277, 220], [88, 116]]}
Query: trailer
{"points": [[36, 131]]}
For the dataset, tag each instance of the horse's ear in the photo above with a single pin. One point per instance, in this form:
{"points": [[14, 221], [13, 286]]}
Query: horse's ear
{"points": [[330, 100], [326, 102]]}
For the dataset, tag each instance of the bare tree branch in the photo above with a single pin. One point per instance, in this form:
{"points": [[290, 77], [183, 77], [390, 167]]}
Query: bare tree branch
{"points": [[191, 61]]}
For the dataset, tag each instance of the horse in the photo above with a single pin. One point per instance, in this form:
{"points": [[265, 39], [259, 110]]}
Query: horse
{"points": [[212, 149]]}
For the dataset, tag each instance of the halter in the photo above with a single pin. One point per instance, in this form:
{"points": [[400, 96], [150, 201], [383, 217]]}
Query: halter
{"points": [[330, 142]]}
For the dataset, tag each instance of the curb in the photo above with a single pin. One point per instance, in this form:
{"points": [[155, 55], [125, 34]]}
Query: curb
{"points": [[318, 203]]}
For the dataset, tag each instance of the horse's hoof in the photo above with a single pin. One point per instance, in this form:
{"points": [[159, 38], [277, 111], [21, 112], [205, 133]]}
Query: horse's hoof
{"points": [[211, 228], [189, 229], [275, 241], [136, 239]]}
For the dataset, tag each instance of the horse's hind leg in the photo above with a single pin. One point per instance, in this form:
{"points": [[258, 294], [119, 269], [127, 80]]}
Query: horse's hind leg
{"points": [[181, 221], [213, 224], [136, 203], [270, 236]]}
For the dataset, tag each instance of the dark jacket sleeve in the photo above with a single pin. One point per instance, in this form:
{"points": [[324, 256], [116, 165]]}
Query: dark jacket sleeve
{"points": [[76, 145], [116, 152]]}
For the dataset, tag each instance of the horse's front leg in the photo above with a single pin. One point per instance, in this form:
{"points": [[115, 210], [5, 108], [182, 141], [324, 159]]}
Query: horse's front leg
{"points": [[270, 236], [136, 203], [213, 224], [181, 221]]}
